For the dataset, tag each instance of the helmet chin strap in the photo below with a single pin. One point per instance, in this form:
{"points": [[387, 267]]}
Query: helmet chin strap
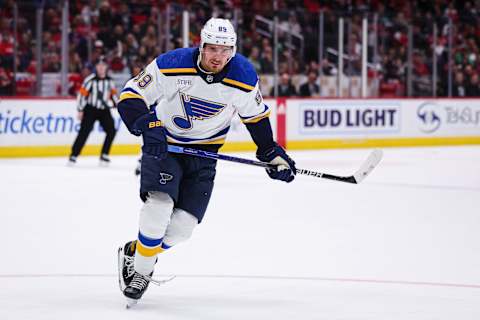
{"points": [[199, 65]]}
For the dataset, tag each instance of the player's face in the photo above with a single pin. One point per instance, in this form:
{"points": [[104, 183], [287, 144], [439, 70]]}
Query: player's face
{"points": [[215, 57]]}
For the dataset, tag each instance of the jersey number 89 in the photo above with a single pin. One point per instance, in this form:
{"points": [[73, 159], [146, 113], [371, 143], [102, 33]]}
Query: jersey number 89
{"points": [[143, 79]]}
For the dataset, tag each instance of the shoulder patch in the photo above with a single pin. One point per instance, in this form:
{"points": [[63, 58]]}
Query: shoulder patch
{"points": [[241, 74], [258, 97], [177, 62]]}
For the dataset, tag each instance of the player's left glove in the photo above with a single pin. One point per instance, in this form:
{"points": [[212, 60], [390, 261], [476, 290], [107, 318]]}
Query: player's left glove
{"points": [[286, 170], [154, 135]]}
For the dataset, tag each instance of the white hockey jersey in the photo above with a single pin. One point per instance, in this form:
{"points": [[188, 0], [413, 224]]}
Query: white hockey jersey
{"points": [[195, 107]]}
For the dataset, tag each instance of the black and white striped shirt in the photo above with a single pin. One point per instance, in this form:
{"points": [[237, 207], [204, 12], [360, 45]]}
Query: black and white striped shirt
{"points": [[98, 93]]}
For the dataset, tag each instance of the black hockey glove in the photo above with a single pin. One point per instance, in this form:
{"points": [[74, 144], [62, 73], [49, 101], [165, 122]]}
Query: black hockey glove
{"points": [[154, 136], [286, 170]]}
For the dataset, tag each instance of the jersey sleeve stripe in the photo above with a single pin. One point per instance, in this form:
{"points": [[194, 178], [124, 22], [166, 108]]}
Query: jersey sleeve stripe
{"points": [[129, 95], [238, 84], [130, 90], [179, 71], [256, 118]]}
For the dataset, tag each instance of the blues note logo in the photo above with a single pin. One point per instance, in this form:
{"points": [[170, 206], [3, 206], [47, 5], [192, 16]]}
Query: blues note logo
{"points": [[165, 177], [196, 109]]}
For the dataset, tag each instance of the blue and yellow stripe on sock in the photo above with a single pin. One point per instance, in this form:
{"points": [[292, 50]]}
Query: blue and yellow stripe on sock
{"points": [[149, 247]]}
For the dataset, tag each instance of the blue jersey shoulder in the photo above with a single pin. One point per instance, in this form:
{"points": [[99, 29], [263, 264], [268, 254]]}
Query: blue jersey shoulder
{"points": [[176, 59], [242, 71]]}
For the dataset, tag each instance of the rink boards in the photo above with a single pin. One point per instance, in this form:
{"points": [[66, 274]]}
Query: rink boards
{"points": [[47, 127]]}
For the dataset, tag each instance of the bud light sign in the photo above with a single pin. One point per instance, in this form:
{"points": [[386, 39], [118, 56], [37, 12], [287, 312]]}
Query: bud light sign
{"points": [[348, 117]]}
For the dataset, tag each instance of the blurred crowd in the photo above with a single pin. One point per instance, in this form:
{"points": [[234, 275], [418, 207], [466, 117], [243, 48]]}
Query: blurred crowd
{"points": [[132, 33]]}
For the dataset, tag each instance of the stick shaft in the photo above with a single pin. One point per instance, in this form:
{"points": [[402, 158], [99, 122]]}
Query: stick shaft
{"points": [[219, 156]]}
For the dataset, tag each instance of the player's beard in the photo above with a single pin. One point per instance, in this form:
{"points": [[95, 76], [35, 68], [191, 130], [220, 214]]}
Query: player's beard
{"points": [[215, 66]]}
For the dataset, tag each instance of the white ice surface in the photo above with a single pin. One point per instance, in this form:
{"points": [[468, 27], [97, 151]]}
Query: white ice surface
{"points": [[404, 244]]}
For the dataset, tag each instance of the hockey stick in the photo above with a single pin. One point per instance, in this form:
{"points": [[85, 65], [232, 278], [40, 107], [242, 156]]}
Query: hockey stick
{"points": [[364, 170]]}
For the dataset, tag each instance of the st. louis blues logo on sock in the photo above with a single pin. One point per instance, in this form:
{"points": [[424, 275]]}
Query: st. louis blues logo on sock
{"points": [[196, 109], [165, 177]]}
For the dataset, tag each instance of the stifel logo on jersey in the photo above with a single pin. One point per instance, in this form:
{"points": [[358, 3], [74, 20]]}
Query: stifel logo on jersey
{"points": [[196, 109]]}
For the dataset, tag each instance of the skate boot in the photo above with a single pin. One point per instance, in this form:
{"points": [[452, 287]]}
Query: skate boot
{"points": [[138, 169], [72, 160], [137, 287], [126, 271], [104, 160], [132, 284]]}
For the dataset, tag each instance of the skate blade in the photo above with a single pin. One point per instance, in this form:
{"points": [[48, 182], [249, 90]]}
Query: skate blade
{"points": [[131, 303], [104, 164], [121, 283], [161, 282]]}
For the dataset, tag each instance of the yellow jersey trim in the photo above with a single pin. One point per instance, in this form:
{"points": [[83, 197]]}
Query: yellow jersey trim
{"points": [[256, 119], [179, 70], [129, 95], [238, 84]]}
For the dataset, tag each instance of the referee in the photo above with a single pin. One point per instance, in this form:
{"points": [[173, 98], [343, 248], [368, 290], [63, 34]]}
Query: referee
{"points": [[95, 98]]}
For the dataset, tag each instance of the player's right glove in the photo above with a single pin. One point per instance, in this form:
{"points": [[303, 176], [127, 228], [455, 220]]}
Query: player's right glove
{"points": [[286, 170], [154, 135]]}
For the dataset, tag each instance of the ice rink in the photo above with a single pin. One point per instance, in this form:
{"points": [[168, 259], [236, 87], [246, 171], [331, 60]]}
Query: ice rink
{"points": [[404, 244]]}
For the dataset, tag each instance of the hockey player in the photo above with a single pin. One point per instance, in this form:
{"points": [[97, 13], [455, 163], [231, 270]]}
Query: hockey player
{"points": [[195, 92]]}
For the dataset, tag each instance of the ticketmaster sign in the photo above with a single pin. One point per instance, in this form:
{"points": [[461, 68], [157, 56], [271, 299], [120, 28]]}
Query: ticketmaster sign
{"points": [[43, 122]]}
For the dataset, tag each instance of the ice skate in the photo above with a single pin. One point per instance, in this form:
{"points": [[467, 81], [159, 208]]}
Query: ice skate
{"points": [[126, 271], [132, 284], [72, 160], [131, 303], [138, 285], [104, 160], [136, 288], [138, 169]]}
